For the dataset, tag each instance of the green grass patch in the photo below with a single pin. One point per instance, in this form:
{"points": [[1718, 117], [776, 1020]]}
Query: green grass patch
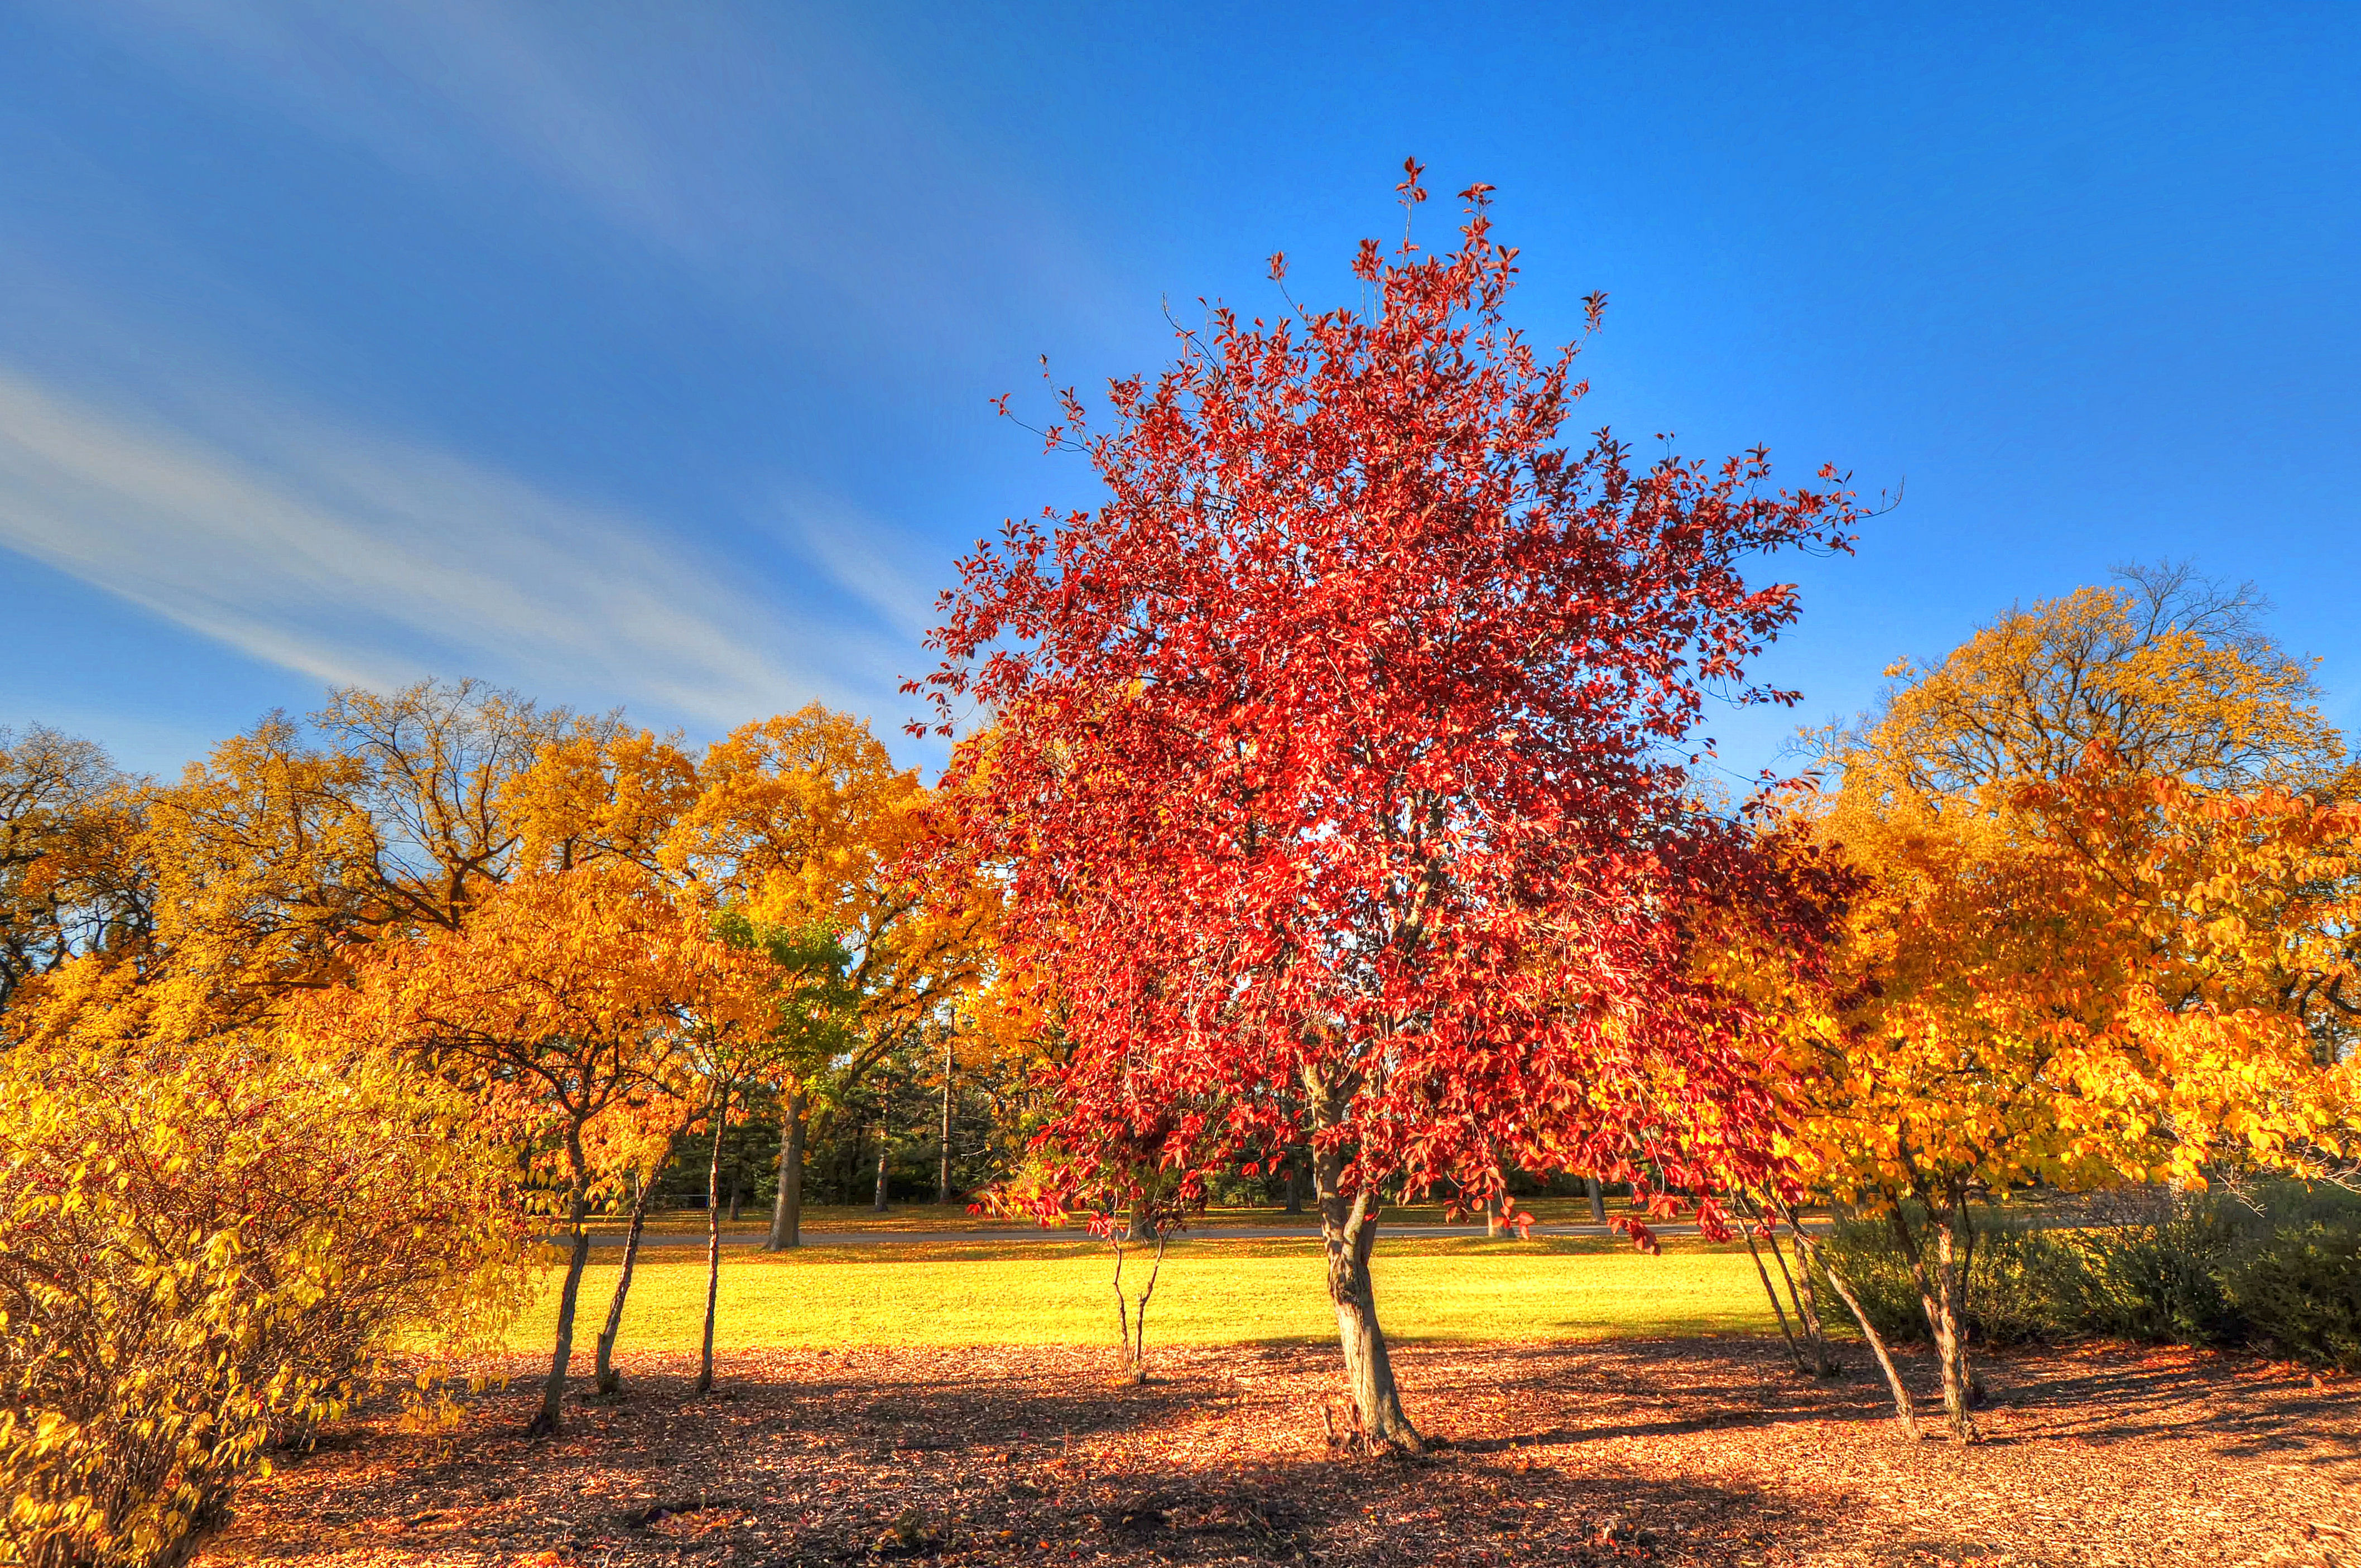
{"points": [[1212, 1292]]}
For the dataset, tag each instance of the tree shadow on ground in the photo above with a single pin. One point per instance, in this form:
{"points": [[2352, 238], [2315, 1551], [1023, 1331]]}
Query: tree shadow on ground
{"points": [[2246, 1408], [1680, 1452], [2095, 1393]]}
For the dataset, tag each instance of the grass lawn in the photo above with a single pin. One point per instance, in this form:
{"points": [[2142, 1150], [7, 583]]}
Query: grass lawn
{"points": [[1212, 1292], [820, 1219]]}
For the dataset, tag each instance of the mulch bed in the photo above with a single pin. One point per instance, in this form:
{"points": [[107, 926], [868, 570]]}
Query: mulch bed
{"points": [[1691, 1452]]}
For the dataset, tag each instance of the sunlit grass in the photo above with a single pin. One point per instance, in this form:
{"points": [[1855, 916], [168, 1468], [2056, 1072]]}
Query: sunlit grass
{"points": [[754, 1218], [1212, 1292]]}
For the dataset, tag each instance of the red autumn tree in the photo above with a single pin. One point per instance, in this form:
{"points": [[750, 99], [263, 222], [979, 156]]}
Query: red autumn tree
{"points": [[1334, 763]]}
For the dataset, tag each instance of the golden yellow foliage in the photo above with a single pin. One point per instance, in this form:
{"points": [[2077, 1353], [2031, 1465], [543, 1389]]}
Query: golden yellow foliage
{"points": [[69, 872], [2097, 934], [576, 1008], [205, 1246]]}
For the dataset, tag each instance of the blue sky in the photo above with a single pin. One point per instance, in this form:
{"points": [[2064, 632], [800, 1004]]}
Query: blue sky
{"points": [[641, 354]]}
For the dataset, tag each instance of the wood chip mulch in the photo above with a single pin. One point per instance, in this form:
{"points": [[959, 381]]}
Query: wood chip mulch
{"points": [[1692, 1452]]}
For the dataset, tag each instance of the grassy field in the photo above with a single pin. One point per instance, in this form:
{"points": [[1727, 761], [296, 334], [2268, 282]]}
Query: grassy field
{"points": [[821, 1219], [1212, 1292]]}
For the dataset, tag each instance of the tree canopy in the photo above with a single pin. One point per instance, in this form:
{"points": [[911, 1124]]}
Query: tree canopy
{"points": [[1335, 764]]}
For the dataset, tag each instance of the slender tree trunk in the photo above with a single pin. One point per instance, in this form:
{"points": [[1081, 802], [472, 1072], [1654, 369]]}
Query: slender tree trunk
{"points": [[787, 1214], [879, 1206], [553, 1390], [737, 1193], [1941, 1294], [1905, 1409], [943, 1166], [1765, 1216], [1597, 1200], [609, 1379], [1805, 1298], [1349, 1230], [1295, 1164], [713, 1234], [1116, 1241], [1131, 1324], [1795, 1350]]}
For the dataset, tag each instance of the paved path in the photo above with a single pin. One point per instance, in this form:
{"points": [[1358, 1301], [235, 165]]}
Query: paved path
{"points": [[1076, 1233]]}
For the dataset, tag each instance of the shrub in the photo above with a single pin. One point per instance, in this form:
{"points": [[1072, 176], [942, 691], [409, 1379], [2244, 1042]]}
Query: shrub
{"points": [[2023, 1282], [2159, 1277], [2276, 1267], [2015, 1280], [204, 1250], [2299, 1292]]}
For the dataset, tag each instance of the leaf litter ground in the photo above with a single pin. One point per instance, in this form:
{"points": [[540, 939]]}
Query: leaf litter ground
{"points": [[1677, 1451]]}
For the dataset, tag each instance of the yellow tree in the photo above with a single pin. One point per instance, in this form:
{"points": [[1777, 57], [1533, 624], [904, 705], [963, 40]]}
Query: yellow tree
{"points": [[600, 793], [2018, 996], [71, 880], [563, 1004], [608, 794], [803, 823], [382, 815]]}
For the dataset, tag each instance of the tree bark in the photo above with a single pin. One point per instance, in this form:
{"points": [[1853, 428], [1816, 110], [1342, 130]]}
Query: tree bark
{"points": [[1295, 1189], [943, 1167], [713, 1235], [1804, 1297], [1795, 1350], [608, 1380], [1905, 1409], [553, 1388], [787, 1214], [1349, 1230], [1597, 1200], [1942, 1296], [879, 1206]]}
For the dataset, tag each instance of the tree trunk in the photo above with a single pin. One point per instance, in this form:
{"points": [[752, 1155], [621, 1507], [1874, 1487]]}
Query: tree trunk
{"points": [[879, 1206], [1597, 1200], [1942, 1295], [737, 1193], [609, 1379], [1295, 1189], [787, 1214], [1130, 1325], [1348, 1229], [553, 1390], [1765, 1216], [943, 1169], [1805, 1298], [1905, 1409], [713, 1234], [1795, 1350]]}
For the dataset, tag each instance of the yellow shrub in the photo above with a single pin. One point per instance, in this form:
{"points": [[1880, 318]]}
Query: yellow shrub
{"points": [[204, 1249]]}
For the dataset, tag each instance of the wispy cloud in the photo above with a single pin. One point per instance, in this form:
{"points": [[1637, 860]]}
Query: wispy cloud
{"points": [[751, 144], [866, 557], [358, 557]]}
